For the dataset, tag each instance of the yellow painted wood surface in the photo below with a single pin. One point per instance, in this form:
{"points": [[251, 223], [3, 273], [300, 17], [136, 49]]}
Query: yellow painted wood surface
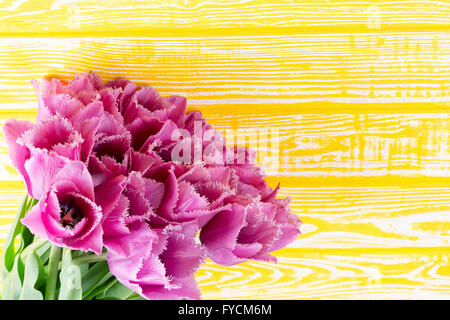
{"points": [[358, 92]]}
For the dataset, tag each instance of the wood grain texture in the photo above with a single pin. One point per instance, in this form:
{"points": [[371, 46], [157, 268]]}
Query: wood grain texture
{"points": [[357, 93], [244, 16], [290, 73]]}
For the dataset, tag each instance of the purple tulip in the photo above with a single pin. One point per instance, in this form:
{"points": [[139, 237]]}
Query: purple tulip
{"points": [[55, 136], [66, 214], [165, 269], [156, 262], [249, 232]]}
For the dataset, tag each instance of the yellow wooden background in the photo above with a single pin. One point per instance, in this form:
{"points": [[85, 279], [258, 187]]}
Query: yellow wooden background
{"points": [[359, 91]]}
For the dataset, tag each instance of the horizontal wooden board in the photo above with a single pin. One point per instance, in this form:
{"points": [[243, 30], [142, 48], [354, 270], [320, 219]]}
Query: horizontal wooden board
{"points": [[295, 72], [383, 217], [333, 274], [212, 17], [341, 217], [339, 145]]}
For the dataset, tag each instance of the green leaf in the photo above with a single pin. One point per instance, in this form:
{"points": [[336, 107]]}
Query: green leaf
{"points": [[12, 268], [25, 235], [26, 238], [44, 252], [96, 276], [34, 273], [136, 297], [99, 290], [8, 253], [116, 291], [12, 284], [70, 278]]}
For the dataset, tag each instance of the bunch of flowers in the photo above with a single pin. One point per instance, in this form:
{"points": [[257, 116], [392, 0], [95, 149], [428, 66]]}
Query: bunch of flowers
{"points": [[136, 191]]}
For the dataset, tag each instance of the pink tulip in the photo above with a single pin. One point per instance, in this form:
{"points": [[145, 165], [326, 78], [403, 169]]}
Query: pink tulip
{"points": [[66, 214], [156, 262], [165, 269], [249, 231]]}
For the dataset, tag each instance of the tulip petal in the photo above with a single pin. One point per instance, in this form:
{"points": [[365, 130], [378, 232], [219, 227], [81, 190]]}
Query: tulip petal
{"points": [[42, 169], [220, 235], [107, 194], [182, 255], [13, 129], [177, 109]]}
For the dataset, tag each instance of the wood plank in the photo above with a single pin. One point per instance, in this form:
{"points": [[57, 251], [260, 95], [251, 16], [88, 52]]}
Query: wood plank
{"points": [[357, 72], [304, 273], [382, 217], [339, 145], [211, 17], [342, 217]]}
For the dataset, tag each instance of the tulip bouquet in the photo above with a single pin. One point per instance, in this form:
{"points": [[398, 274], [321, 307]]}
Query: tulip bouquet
{"points": [[127, 194]]}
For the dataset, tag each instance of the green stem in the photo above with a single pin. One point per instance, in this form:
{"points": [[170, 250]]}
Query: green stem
{"points": [[89, 258], [83, 260], [31, 203], [52, 273]]}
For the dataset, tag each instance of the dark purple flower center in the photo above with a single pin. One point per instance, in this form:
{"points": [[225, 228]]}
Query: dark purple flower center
{"points": [[111, 150], [70, 213]]}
